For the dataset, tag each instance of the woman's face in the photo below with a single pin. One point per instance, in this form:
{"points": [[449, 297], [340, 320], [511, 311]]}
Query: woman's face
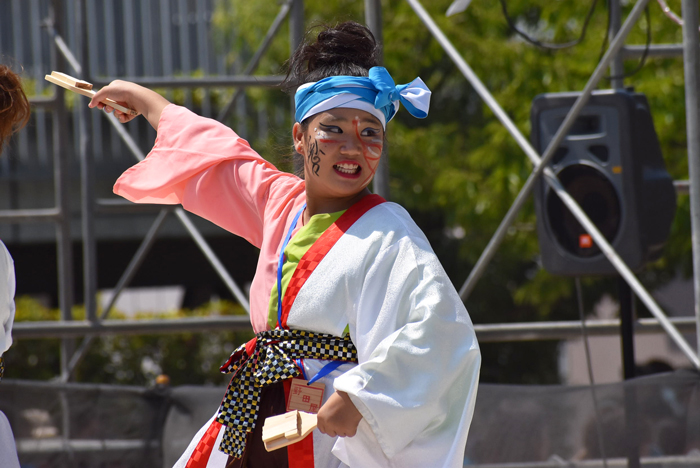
{"points": [[341, 149]]}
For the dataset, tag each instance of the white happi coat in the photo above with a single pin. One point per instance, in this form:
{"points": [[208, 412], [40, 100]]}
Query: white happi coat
{"points": [[416, 380]]}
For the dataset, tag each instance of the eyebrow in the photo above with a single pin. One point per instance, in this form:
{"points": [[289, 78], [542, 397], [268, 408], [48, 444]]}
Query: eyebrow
{"points": [[343, 119]]}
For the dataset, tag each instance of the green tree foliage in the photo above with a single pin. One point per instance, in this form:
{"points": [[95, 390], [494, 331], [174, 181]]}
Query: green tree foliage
{"points": [[458, 171]]}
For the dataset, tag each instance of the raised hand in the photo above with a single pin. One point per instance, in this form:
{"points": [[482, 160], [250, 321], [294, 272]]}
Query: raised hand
{"points": [[142, 100]]}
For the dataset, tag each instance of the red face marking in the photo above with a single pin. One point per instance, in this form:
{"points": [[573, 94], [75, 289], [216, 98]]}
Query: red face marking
{"points": [[325, 140], [371, 160]]}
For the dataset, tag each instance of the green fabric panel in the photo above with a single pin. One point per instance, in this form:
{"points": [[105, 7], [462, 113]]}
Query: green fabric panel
{"points": [[296, 248]]}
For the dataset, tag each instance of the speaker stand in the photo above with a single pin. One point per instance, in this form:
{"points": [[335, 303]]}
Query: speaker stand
{"points": [[627, 316]]}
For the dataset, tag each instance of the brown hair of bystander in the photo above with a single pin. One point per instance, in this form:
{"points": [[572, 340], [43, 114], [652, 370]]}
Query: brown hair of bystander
{"points": [[14, 105]]}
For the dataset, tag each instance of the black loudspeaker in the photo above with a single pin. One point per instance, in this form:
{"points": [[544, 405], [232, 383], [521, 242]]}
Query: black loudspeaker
{"points": [[611, 164]]}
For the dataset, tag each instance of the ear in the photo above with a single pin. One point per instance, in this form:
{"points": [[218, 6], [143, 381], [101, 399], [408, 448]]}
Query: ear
{"points": [[298, 137]]}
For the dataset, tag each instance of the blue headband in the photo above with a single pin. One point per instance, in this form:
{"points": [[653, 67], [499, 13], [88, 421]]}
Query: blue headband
{"points": [[376, 94]]}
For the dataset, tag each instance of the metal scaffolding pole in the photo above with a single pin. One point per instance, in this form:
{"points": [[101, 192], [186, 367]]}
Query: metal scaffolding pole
{"points": [[628, 309], [64, 246], [373, 18], [691, 65], [87, 175], [253, 64], [296, 37], [56, 19], [39, 215], [485, 333], [296, 25], [136, 260], [653, 51], [617, 68], [198, 238], [125, 279], [192, 82], [539, 163], [550, 178]]}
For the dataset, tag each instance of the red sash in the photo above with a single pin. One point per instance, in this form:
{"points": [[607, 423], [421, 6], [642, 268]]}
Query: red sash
{"points": [[301, 454], [310, 260], [202, 452]]}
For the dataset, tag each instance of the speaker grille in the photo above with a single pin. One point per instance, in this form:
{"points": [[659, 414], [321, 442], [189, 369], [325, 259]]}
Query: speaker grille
{"points": [[600, 201]]}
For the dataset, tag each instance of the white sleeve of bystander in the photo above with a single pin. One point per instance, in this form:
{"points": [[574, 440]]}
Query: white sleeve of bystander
{"points": [[8, 451], [7, 301]]}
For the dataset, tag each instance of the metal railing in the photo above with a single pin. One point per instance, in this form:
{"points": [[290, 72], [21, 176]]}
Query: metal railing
{"points": [[82, 59], [293, 9], [541, 164], [491, 333]]}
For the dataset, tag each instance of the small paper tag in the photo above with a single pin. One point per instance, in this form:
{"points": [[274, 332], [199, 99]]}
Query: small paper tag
{"points": [[305, 397]]}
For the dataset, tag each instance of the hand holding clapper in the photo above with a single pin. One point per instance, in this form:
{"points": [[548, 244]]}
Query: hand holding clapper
{"points": [[84, 88], [286, 429]]}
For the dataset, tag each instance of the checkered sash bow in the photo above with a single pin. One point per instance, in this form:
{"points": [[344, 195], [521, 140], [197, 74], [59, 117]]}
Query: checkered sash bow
{"points": [[264, 360]]}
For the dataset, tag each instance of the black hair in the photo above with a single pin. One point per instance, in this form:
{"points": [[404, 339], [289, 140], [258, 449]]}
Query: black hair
{"points": [[347, 48]]}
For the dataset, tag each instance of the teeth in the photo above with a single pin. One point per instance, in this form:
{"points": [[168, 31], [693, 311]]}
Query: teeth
{"points": [[347, 168]]}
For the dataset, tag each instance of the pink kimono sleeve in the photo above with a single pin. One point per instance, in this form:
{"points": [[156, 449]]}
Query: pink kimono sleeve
{"points": [[203, 165]]}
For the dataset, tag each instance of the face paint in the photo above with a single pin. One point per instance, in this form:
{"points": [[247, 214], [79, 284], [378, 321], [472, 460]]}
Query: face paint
{"points": [[371, 151], [322, 137], [320, 134], [313, 158]]}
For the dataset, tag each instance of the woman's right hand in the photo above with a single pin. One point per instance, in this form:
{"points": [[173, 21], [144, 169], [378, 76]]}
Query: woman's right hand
{"points": [[142, 100], [339, 416]]}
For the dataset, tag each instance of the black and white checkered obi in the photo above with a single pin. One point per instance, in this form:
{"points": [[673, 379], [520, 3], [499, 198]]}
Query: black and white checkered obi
{"points": [[266, 359]]}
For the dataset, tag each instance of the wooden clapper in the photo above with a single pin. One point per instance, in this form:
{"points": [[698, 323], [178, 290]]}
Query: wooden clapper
{"points": [[84, 88], [286, 429]]}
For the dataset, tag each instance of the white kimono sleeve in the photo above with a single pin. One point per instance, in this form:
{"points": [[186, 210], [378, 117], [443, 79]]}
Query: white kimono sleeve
{"points": [[419, 362]]}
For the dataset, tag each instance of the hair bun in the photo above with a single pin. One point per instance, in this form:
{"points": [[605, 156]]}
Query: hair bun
{"points": [[348, 48], [347, 42]]}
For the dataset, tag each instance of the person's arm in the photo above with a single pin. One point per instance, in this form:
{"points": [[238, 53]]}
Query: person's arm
{"points": [[418, 357], [143, 100], [203, 165]]}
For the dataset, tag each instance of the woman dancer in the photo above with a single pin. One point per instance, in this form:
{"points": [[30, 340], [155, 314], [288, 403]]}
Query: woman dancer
{"points": [[14, 114], [365, 306]]}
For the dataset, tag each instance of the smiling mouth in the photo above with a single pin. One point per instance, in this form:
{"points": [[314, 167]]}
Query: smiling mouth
{"points": [[350, 169]]}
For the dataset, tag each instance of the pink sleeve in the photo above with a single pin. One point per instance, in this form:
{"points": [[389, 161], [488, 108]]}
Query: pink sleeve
{"points": [[203, 165]]}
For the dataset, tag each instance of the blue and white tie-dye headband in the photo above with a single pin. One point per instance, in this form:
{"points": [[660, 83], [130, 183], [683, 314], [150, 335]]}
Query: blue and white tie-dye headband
{"points": [[376, 94]]}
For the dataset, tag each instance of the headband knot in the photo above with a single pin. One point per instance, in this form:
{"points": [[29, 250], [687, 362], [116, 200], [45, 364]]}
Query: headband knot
{"points": [[376, 94]]}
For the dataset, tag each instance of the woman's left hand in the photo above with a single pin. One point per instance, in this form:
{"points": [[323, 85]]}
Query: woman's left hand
{"points": [[339, 416]]}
